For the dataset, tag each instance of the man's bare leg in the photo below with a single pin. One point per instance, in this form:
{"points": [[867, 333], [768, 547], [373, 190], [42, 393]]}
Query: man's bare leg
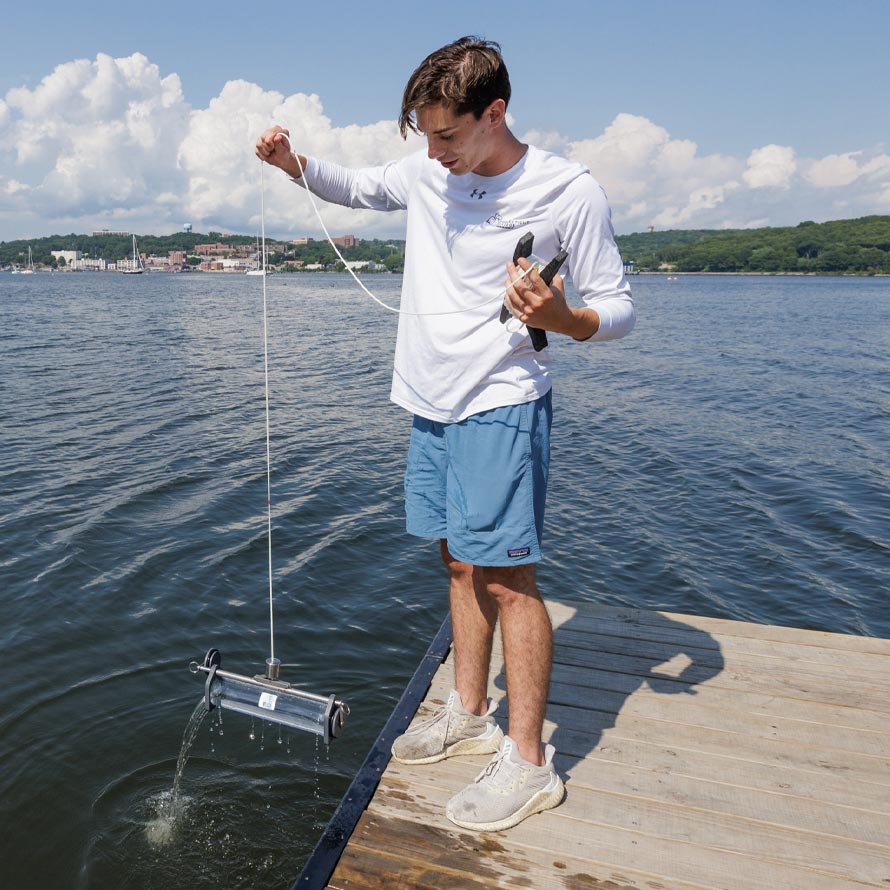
{"points": [[527, 635], [473, 619]]}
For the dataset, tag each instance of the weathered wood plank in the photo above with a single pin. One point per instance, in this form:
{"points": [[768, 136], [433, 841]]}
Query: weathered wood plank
{"points": [[788, 684], [625, 835], [863, 669], [574, 735], [724, 764], [711, 694], [426, 856], [713, 663], [690, 711], [684, 636], [577, 730], [833, 790], [564, 610], [584, 812]]}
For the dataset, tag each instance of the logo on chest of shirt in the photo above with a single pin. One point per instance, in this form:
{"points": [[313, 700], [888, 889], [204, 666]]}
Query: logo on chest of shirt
{"points": [[477, 194], [501, 223]]}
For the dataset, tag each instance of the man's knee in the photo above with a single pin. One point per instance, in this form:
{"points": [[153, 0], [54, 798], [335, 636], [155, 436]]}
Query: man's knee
{"points": [[507, 584], [456, 568]]}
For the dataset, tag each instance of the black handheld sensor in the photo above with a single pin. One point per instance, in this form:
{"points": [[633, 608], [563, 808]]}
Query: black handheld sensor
{"points": [[547, 273]]}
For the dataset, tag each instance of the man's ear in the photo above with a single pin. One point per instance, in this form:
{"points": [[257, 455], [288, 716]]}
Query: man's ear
{"points": [[496, 112]]}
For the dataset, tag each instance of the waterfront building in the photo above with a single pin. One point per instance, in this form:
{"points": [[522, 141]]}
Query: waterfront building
{"points": [[71, 257]]}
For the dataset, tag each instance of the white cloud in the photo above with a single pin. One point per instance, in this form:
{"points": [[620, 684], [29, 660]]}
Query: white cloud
{"points": [[834, 170], [699, 201], [217, 155], [772, 166], [113, 142], [91, 137], [840, 170], [652, 178]]}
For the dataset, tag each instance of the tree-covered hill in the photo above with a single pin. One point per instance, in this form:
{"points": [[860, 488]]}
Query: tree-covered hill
{"points": [[111, 247], [847, 246], [851, 246]]}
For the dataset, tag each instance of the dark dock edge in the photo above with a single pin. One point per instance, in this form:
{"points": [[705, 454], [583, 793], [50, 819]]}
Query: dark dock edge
{"points": [[324, 858]]}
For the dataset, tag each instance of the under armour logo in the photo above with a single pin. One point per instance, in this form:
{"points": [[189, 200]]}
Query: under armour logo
{"points": [[477, 194]]}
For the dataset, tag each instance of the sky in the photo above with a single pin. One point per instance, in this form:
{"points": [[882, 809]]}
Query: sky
{"points": [[690, 114]]}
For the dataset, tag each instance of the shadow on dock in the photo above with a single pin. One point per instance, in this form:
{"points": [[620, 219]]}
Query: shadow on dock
{"points": [[598, 664]]}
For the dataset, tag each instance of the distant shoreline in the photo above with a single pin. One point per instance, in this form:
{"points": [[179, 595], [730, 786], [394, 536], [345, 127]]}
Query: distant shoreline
{"points": [[664, 274], [631, 275]]}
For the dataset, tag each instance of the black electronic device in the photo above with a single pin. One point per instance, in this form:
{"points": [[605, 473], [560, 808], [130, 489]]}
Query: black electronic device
{"points": [[547, 273]]}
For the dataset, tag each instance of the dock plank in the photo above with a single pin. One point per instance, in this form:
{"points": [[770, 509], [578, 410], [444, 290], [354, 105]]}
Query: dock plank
{"points": [[671, 819], [725, 628], [437, 857], [712, 694], [709, 714], [681, 631], [699, 753], [843, 691], [570, 833]]}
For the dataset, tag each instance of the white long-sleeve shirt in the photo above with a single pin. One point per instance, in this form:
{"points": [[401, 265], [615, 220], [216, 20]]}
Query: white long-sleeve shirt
{"points": [[461, 231]]}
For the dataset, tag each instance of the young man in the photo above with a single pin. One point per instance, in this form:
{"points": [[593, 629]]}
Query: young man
{"points": [[480, 392]]}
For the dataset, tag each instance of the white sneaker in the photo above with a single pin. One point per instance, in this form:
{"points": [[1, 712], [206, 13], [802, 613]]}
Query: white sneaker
{"points": [[451, 730], [507, 791]]}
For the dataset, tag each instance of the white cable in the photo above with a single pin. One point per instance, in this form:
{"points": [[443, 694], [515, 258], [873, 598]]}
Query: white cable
{"points": [[266, 377], [361, 284]]}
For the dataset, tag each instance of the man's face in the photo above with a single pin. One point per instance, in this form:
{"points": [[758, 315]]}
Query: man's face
{"points": [[460, 143]]}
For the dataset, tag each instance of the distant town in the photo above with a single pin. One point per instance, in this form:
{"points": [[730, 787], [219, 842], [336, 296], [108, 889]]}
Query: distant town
{"points": [[217, 257], [118, 251], [837, 247]]}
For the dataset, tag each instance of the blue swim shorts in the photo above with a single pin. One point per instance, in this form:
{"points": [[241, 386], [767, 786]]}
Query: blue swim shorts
{"points": [[481, 483]]}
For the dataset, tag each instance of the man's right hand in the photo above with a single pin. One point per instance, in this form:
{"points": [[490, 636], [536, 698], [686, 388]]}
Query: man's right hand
{"points": [[273, 147]]}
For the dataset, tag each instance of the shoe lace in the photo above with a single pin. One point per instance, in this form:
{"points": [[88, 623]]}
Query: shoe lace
{"points": [[442, 712], [496, 774]]}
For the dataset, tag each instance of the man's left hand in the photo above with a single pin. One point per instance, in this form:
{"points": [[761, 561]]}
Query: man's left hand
{"points": [[539, 305]]}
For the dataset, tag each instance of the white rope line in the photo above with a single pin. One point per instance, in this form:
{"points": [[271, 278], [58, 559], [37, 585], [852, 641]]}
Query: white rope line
{"points": [[266, 379], [360, 283]]}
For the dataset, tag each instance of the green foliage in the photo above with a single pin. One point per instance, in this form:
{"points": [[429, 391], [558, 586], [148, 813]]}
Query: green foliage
{"points": [[850, 246], [118, 247], [390, 253]]}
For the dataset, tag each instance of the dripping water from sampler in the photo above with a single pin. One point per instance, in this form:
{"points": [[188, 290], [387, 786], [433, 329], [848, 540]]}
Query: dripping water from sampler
{"points": [[159, 830]]}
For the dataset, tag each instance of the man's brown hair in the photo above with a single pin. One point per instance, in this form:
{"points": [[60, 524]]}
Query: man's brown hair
{"points": [[466, 76]]}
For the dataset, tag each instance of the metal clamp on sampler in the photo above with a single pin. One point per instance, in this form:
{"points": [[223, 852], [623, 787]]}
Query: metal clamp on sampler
{"points": [[546, 271]]}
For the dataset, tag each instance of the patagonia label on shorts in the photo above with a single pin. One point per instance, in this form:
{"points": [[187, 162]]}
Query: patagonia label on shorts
{"points": [[517, 552]]}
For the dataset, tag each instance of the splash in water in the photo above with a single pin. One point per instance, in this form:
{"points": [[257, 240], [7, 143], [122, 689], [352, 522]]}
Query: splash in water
{"points": [[160, 830]]}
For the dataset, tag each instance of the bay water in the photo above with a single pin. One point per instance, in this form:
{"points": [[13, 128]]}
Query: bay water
{"points": [[727, 459]]}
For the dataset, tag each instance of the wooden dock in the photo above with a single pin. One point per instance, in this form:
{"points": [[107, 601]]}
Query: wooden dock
{"points": [[697, 753]]}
